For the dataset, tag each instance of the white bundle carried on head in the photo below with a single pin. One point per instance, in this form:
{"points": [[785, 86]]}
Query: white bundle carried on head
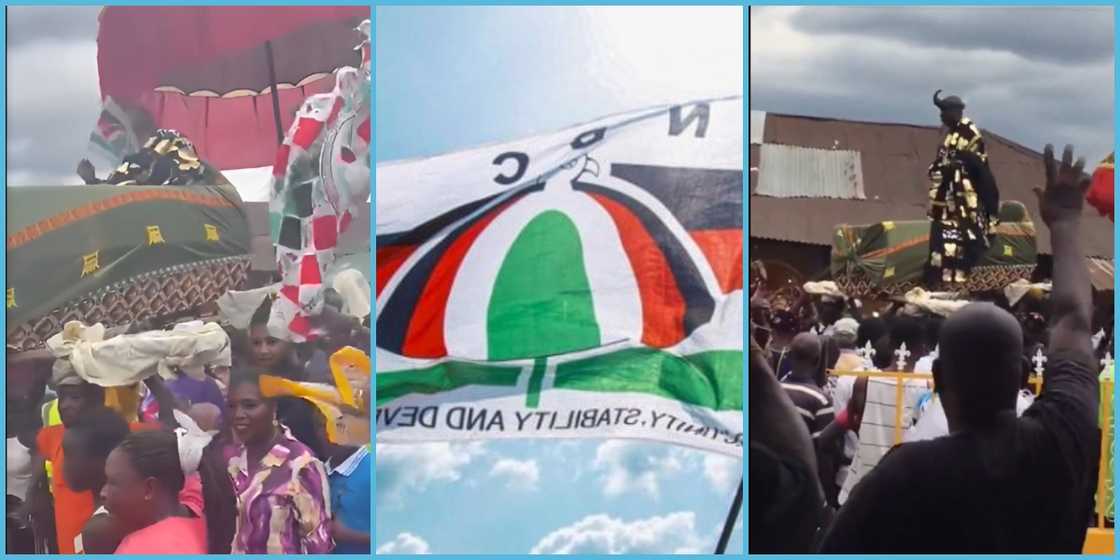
{"points": [[1021, 287], [192, 441], [827, 289], [131, 358], [934, 302]]}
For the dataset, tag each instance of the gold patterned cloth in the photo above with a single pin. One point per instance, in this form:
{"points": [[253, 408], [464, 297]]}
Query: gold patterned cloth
{"points": [[168, 158], [960, 220]]}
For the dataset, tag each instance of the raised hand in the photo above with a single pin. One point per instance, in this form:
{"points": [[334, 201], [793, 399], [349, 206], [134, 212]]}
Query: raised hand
{"points": [[86, 171], [1066, 185]]}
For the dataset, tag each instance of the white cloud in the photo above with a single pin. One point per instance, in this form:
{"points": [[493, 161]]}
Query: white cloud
{"points": [[405, 543], [722, 472], [643, 60], [402, 467], [519, 475], [635, 466], [53, 102], [601, 534]]}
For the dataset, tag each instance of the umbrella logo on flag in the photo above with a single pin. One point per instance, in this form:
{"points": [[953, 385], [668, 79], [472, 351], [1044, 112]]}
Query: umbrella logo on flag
{"points": [[587, 255]]}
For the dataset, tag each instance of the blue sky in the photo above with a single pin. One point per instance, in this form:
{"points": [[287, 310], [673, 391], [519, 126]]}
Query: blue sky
{"points": [[449, 78]]}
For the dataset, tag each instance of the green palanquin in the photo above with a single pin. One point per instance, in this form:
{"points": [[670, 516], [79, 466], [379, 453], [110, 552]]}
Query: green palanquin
{"points": [[118, 254], [892, 256]]}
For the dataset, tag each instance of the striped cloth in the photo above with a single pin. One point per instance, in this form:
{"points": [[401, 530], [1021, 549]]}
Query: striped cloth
{"points": [[814, 406], [876, 433]]}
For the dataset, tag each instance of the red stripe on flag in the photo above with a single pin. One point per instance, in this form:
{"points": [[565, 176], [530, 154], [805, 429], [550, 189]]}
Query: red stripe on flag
{"points": [[389, 259], [424, 338], [724, 251], [663, 305]]}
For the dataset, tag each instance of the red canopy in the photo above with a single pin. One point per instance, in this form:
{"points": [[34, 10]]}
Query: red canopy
{"points": [[206, 70]]}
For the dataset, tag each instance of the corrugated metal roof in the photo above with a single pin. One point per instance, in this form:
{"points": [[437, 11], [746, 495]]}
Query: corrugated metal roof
{"points": [[793, 171], [895, 159]]}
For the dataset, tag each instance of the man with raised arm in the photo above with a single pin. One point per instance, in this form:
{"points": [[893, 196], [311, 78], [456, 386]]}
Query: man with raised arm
{"points": [[998, 484]]}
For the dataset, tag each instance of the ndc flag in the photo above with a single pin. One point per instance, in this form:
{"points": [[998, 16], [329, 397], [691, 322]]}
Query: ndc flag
{"points": [[585, 283]]}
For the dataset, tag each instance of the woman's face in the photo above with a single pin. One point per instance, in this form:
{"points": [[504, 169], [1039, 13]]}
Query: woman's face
{"points": [[127, 495], [268, 352], [250, 414]]}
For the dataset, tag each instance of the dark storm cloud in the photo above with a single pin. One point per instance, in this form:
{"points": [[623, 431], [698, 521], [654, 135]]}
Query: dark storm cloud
{"points": [[884, 64], [1074, 35]]}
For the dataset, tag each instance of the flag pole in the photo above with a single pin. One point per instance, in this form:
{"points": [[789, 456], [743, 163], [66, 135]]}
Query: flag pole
{"points": [[275, 92], [732, 517]]}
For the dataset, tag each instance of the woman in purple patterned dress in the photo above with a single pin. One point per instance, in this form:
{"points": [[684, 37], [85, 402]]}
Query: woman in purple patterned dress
{"points": [[283, 497]]}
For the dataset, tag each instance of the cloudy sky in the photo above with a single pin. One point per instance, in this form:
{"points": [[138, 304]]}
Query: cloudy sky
{"points": [[53, 97], [498, 74], [1034, 75]]}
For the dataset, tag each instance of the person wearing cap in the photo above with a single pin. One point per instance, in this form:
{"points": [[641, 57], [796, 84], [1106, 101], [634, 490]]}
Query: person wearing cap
{"points": [[72, 508], [963, 197], [77, 399], [845, 332]]}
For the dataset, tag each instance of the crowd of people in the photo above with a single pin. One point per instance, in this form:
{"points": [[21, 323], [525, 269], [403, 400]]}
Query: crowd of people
{"points": [[990, 440], [251, 456]]}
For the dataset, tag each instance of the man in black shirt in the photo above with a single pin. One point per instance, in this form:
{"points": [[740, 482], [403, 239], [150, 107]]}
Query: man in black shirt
{"points": [[786, 502], [998, 484], [814, 407]]}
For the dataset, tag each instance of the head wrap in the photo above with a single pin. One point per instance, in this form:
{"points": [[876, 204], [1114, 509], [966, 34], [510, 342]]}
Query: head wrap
{"points": [[827, 290]]}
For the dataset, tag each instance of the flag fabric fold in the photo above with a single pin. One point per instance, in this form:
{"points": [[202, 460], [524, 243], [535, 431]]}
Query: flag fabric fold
{"points": [[583, 283]]}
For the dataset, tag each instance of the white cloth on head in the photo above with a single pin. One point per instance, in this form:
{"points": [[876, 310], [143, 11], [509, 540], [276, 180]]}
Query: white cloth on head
{"points": [[131, 358], [192, 441], [237, 307], [1021, 287], [825, 288], [934, 302]]}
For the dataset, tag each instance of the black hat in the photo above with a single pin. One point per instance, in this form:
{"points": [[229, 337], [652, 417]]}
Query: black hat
{"points": [[951, 102]]}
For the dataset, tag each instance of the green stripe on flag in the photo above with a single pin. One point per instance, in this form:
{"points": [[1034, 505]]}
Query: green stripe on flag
{"points": [[442, 377], [536, 379], [541, 304], [711, 379]]}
